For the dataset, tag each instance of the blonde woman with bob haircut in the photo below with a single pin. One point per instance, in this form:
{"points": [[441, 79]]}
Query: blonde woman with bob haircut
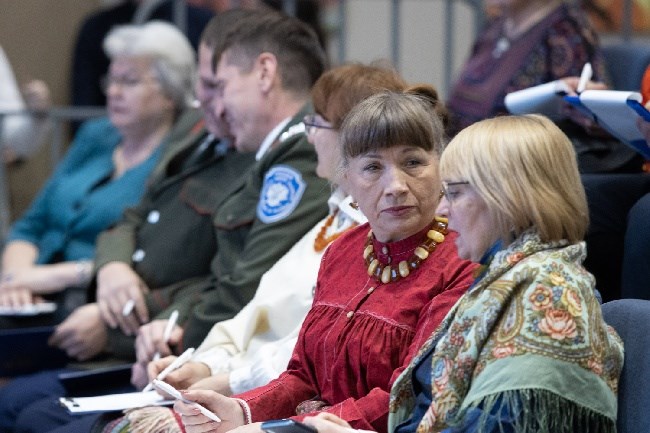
{"points": [[526, 348], [514, 178]]}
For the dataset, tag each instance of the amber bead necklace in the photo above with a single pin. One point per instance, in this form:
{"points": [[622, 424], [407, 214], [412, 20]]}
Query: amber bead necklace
{"points": [[322, 241], [387, 274]]}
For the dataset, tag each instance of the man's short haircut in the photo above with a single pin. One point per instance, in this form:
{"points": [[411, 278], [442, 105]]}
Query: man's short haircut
{"points": [[301, 59], [217, 27]]}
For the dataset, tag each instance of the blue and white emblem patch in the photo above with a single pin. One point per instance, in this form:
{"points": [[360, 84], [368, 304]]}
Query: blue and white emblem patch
{"points": [[282, 190]]}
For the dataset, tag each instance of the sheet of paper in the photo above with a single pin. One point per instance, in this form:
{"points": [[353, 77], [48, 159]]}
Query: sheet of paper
{"points": [[29, 310], [113, 402], [613, 113]]}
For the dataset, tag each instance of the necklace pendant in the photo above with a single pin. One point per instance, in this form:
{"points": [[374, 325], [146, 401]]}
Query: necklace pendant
{"points": [[502, 45], [372, 267], [386, 273], [404, 269]]}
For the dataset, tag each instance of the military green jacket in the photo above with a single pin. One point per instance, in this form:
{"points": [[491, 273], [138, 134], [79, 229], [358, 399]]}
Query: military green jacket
{"points": [[169, 237], [280, 200]]}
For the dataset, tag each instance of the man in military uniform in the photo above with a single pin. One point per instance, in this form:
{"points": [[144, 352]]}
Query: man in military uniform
{"points": [[264, 69]]}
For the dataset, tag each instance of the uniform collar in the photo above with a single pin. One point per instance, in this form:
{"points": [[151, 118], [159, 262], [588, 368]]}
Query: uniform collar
{"points": [[270, 138]]}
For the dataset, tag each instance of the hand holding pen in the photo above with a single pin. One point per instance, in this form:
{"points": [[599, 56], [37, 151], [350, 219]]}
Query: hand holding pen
{"points": [[121, 297], [176, 363], [585, 77], [157, 336], [167, 333], [577, 85]]}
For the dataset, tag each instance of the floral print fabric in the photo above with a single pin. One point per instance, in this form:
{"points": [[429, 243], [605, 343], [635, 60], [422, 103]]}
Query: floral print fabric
{"points": [[533, 311]]}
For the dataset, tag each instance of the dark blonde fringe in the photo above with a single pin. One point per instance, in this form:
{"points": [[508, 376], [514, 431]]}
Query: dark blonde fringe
{"points": [[153, 419], [541, 411]]}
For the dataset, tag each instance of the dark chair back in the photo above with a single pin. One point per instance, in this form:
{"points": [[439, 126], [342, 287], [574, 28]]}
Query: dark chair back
{"points": [[631, 319], [626, 62]]}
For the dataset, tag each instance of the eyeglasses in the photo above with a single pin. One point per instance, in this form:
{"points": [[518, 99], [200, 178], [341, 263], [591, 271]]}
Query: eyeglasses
{"points": [[315, 121], [450, 195]]}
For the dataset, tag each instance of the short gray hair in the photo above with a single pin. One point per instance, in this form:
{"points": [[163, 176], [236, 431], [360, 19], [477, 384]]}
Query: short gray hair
{"points": [[173, 58]]}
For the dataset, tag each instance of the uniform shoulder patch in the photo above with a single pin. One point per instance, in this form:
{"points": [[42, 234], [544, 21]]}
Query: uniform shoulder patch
{"points": [[281, 192]]}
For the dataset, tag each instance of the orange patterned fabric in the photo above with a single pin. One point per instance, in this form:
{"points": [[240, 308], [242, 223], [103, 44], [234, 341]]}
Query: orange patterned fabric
{"points": [[645, 86]]}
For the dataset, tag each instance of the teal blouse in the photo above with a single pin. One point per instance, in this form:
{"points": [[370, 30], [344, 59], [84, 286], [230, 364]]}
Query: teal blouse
{"points": [[80, 199]]}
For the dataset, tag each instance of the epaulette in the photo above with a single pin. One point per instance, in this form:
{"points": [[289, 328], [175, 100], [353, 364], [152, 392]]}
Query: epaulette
{"points": [[298, 128]]}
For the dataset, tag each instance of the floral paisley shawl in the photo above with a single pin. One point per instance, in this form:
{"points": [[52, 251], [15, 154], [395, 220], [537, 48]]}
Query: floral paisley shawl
{"points": [[529, 334]]}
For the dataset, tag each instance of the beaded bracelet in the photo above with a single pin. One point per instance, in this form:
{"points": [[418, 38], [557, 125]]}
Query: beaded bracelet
{"points": [[248, 418]]}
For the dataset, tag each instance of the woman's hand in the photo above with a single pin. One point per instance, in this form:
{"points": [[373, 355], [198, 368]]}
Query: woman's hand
{"points": [[328, 423], [228, 409], [16, 298], [117, 283], [219, 382], [572, 84], [40, 279], [155, 367], [188, 375]]}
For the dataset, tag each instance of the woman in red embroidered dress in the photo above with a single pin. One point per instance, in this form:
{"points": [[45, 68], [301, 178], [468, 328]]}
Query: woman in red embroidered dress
{"points": [[382, 287]]}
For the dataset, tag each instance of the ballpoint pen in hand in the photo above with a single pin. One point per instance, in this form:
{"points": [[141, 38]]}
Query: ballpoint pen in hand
{"points": [[167, 333], [585, 77], [128, 307], [176, 363]]}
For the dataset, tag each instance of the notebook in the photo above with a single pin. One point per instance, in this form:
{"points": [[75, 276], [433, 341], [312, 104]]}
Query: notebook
{"points": [[29, 310], [617, 112], [112, 402], [546, 99]]}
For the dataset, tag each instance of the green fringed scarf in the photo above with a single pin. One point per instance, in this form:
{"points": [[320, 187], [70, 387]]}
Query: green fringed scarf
{"points": [[528, 335]]}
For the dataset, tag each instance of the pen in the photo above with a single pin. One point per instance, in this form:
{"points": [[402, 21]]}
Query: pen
{"points": [[128, 307], [174, 393], [585, 77], [176, 363], [167, 333]]}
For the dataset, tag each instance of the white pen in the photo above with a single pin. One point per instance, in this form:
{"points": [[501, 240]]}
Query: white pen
{"points": [[128, 307], [163, 386], [176, 363], [167, 333], [585, 77]]}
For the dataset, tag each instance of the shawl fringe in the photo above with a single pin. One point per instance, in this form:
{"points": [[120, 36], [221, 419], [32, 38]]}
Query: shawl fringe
{"points": [[153, 419], [541, 411]]}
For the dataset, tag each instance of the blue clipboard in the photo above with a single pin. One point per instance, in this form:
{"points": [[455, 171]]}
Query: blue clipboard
{"points": [[626, 131], [640, 109]]}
